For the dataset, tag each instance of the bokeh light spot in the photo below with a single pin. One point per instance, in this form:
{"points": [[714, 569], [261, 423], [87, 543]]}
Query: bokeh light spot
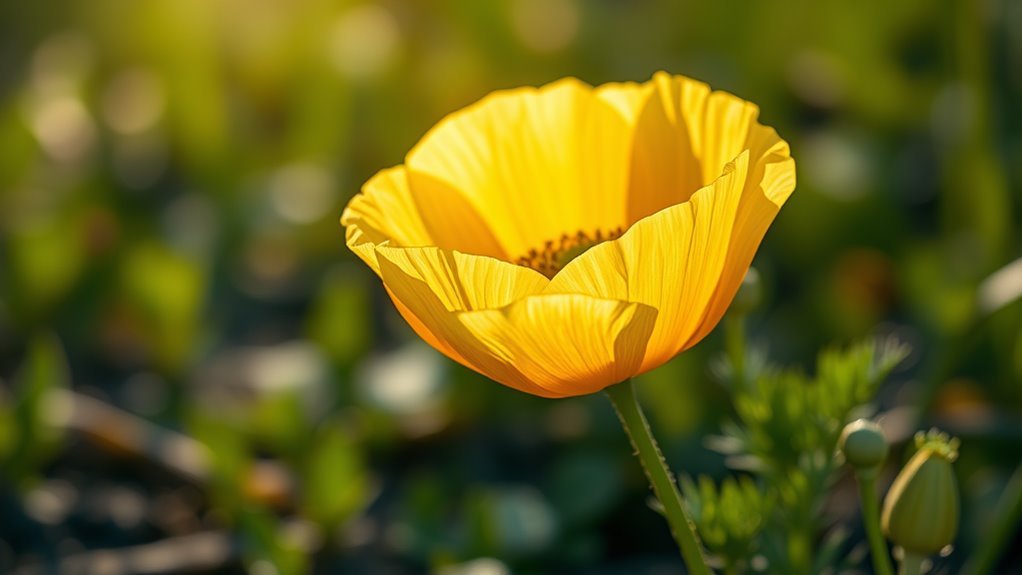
{"points": [[63, 128], [405, 381], [133, 101], [364, 41], [302, 193], [545, 25]]}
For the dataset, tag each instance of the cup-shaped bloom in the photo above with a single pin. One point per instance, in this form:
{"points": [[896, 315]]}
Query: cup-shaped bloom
{"points": [[565, 238]]}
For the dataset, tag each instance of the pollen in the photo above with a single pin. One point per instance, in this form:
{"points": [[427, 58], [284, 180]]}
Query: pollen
{"points": [[553, 255]]}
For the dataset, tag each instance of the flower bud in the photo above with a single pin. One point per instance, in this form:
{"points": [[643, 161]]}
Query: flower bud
{"points": [[863, 444], [921, 509]]}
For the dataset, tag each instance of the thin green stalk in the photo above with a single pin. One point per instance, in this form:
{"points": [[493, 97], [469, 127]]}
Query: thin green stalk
{"points": [[734, 336], [800, 552], [1007, 516], [634, 421], [911, 564], [871, 520]]}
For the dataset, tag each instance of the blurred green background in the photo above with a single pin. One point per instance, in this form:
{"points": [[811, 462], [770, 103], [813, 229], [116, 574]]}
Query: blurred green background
{"points": [[196, 375]]}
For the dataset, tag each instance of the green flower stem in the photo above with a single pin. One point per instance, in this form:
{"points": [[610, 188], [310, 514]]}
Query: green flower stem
{"points": [[911, 564], [799, 548], [871, 520], [1007, 516], [734, 336], [622, 396]]}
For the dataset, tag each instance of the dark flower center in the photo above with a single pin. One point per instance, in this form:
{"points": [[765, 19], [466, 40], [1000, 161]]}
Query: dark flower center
{"points": [[555, 254]]}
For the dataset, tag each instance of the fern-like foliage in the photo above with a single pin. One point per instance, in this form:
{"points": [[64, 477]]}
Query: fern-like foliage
{"points": [[783, 436]]}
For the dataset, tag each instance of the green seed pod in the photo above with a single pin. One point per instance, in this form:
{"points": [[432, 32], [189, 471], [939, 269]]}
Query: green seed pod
{"points": [[921, 509], [863, 444]]}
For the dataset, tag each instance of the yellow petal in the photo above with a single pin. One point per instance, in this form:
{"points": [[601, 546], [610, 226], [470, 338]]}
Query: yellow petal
{"points": [[762, 199], [430, 286], [671, 261], [453, 222], [534, 163], [389, 211], [628, 98], [457, 281], [684, 136], [383, 212], [426, 332], [526, 166], [559, 345]]}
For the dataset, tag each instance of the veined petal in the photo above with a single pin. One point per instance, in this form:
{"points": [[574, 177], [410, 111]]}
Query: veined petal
{"points": [[383, 212], [628, 98], [426, 332], [764, 195], [684, 136], [532, 175], [534, 163], [459, 282], [389, 212], [671, 261], [562, 344], [430, 286]]}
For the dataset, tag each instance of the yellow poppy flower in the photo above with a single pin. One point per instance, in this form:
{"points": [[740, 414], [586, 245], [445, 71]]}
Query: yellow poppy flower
{"points": [[563, 239]]}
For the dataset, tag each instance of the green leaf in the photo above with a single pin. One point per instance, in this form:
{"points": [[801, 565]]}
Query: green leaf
{"points": [[279, 420], [336, 482], [341, 318], [46, 259], [266, 539], [166, 291], [787, 420], [37, 387], [229, 453], [731, 517], [786, 430]]}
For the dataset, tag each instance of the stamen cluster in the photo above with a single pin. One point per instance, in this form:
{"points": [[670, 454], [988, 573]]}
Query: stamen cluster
{"points": [[555, 254]]}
